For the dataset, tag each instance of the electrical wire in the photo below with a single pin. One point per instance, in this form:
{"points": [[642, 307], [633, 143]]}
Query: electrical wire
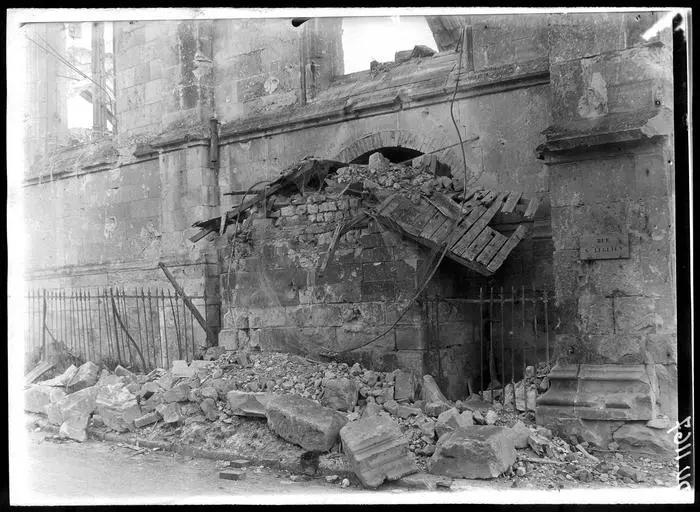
{"points": [[54, 53], [450, 240]]}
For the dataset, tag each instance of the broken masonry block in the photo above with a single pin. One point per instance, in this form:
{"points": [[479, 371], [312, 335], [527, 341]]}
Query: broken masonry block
{"points": [[181, 369], [62, 379], [430, 391], [638, 437], [75, 427], [208, 406], [37, 398], [303, 422], [451, 420], [473, 452], [377, 450], [81, 402], [436, 408], [519, 434], [113, 404], [247, 404], [85, 377], [171, 412], [176, 393], [147, 419], [232, 474], [239, 463], [405, 384], [339, 394]]}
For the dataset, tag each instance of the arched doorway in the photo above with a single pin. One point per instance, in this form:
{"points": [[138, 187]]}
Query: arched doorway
{"points": [[394, 154]]}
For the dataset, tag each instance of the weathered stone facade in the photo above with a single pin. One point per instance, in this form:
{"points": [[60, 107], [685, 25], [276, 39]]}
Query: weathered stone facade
{"points": [[586, 90]]}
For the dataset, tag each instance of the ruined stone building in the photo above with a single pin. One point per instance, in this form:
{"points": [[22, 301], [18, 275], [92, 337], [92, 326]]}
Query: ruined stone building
{"points": [[574, 110]]}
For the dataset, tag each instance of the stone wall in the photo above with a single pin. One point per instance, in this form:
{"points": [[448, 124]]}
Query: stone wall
{"points": [[610, 154]]}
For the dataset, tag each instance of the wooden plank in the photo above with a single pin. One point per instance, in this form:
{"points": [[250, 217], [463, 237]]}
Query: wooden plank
{"points": [[512, 200], [505, 250], [478, 244], [531, 208], [387, 206], [480, 224], [444, 231], [411, 214], [36, 372], [433, 224], [473, 216], [486, 200], [491, 249], [446, 205]]}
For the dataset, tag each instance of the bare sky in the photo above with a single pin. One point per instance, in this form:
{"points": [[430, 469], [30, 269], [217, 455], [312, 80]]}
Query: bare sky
{"points": [[373, 38]]}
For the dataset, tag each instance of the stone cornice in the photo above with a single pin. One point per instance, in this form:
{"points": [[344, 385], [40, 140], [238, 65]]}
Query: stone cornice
{"points": [[626, 127], [332, 107]]}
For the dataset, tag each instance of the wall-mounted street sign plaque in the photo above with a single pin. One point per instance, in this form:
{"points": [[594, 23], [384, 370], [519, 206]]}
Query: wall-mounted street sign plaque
{"points": [[607, 246]]}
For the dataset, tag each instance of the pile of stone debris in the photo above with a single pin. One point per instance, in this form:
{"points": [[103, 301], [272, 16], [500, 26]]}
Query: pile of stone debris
{"points": [[424, 175], [385, 425]]}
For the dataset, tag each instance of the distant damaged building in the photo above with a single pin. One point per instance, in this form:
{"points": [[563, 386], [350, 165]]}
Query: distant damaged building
{"points": [[306, 210]]}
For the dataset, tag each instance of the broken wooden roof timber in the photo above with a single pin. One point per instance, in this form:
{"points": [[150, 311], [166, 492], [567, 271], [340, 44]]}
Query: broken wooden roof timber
{"points": [[435, 221]]}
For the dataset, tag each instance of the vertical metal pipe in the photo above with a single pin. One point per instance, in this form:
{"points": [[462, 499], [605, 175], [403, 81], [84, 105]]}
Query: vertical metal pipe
{"points": [[177, 326], [99, 324], [481, 339], [492, 366], [125, 308], [523, 348], [546, 326], [81, 331], [144, 349], [43, 327], [192, 332], [512, 342], [534, 316], [150, 316], [108, 328], [165, 316], [503, 356], [92, 326], [163, 346], [145, 329], [86, 330], [114, 319]]}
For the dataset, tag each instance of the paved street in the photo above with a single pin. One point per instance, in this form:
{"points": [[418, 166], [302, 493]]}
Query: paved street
{"points": [[95, 472]]}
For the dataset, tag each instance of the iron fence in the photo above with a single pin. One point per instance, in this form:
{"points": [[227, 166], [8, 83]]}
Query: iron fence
{"points": [[511, 328], [143, 329]]}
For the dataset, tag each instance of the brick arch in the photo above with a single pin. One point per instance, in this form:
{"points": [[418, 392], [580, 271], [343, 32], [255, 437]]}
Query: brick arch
{"points": [[400, 138]]}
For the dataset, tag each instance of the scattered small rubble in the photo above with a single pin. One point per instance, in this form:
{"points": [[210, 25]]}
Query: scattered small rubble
{"points": [[330, 418]]}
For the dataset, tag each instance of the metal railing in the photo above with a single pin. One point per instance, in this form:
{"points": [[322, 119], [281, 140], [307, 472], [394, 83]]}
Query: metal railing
{"points": [[512, 330], [143, 329]]}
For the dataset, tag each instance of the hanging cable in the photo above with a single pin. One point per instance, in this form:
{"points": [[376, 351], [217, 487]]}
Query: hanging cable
{"points": [[450, 240]]}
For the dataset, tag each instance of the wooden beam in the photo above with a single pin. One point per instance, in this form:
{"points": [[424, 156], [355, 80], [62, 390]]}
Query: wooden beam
{"points": [[36, 372], [512, 200], [195, 312], [505, 250]]}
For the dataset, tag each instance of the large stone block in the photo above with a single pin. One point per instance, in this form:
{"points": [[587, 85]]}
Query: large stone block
{"points": [[247, 404], [37, 398], [75, 427], [405, 385], [430, 392], [597, 392], [86, 376], [339, 394], [62, 379], [81, 402], [304, 422], [451, 420], [377, 450], [113, 404], [637, 436], [473, 452]]}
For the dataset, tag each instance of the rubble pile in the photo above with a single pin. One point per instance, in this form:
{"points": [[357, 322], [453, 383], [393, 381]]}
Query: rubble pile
{"points": [[418, 177], [385, 425]]}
